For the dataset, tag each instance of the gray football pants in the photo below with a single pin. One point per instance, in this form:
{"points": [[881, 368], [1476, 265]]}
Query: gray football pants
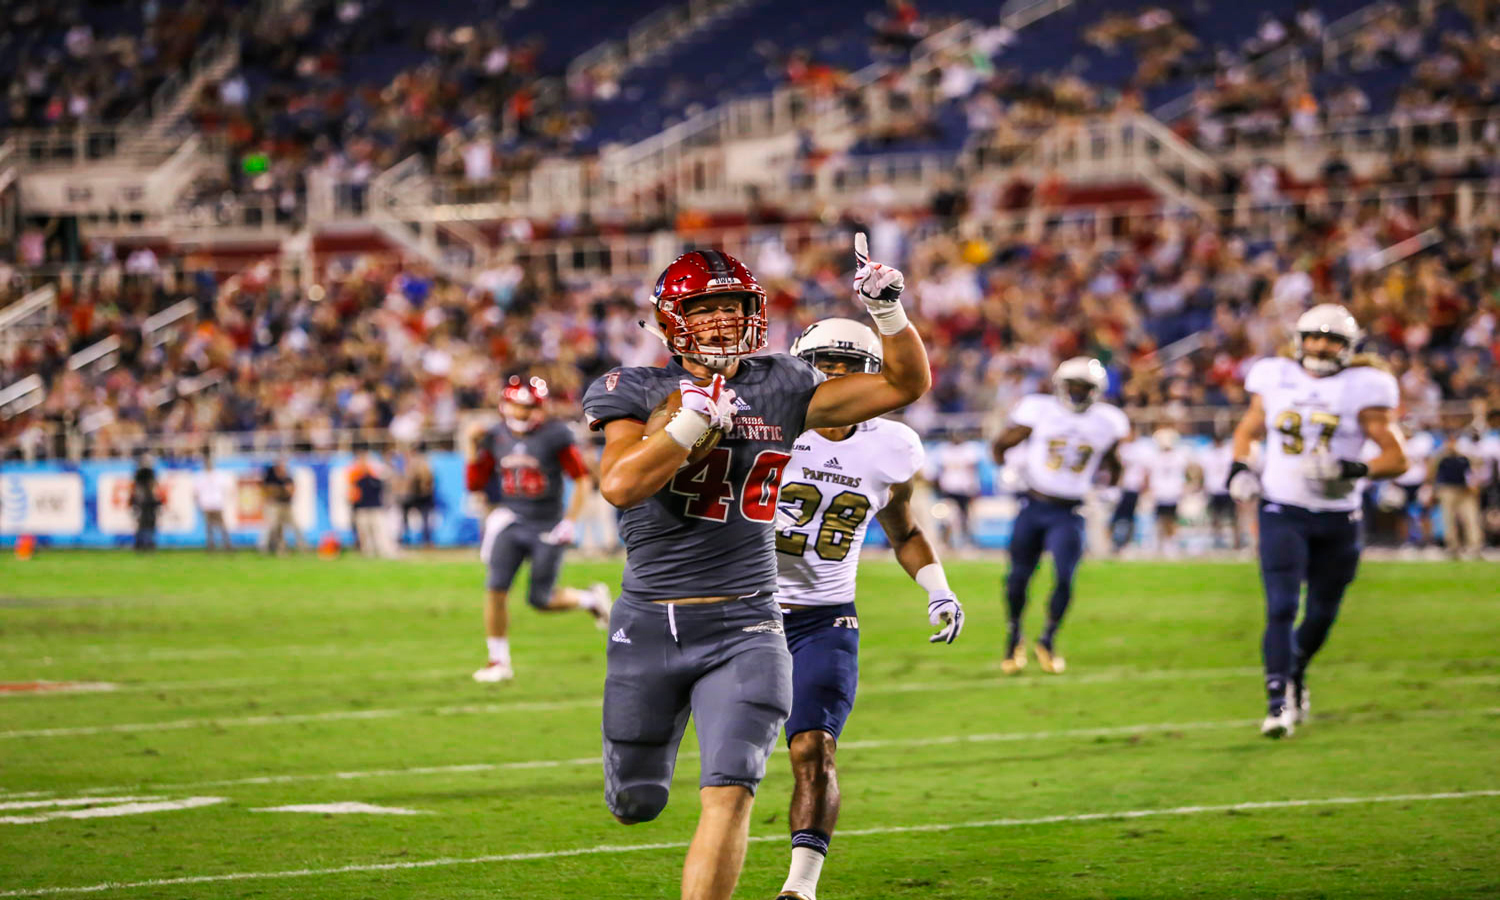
{"points": [[726, 664]]}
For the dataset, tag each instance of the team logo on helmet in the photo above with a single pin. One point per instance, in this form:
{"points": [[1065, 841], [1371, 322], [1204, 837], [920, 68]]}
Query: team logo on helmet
{"points": [[720, 339]]}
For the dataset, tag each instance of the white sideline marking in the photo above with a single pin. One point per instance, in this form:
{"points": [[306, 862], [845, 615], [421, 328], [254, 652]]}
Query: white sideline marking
{"points": [[296, 718], [872, 744], [1105, 677], [344, 808], [55, 688], [678, 845], [69, 801], [109, 812]]}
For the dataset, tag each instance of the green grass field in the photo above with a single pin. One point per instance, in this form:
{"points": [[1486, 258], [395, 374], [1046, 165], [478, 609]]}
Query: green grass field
{"points": [[258, 683]]}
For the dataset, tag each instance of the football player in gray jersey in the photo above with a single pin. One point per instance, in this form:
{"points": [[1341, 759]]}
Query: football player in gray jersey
{"points": [[695, 630], [523, 466]]}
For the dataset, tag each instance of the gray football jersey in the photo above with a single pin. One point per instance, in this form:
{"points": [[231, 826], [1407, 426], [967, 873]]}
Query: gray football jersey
{"points": [[709, 532], [531, 470]]}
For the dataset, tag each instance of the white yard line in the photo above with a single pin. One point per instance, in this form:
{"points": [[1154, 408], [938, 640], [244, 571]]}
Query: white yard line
{"points": [[459, 674], [1118, 815], [110, 812], [873, 744], [887, 687], [298, 718], [69, 801]]}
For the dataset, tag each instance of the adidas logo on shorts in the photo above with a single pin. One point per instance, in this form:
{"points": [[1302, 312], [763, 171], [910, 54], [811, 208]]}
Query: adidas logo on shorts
{"points": [[771, 627], [619, 637]]}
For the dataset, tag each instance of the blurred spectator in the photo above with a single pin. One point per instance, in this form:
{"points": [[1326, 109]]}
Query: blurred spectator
{"points": [[211, 490], [145, 501], [278, 488], [418, 495]]}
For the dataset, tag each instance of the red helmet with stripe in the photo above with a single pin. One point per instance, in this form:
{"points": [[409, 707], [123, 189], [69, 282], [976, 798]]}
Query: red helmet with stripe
{"points": [[525, 393], [529, 395], [716, 340]]}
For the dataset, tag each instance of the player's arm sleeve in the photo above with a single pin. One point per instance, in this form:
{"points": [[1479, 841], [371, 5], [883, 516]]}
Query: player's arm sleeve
{"points": [[572, 461], [1119, 426], [617, 394], [1380, 389], [1262, 375], [1029, 411], [908, 456]]}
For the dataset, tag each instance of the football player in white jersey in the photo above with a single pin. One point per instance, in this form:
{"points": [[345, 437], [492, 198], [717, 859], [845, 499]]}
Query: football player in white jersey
{"points": [[1316, 411], [1068, 435], [838, 478], [1214, 461], [1167, 478]]}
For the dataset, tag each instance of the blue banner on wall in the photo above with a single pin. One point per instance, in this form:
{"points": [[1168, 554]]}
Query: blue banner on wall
{"points": [[87, 504]]}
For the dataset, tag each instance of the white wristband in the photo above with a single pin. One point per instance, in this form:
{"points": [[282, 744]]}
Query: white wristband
{"points": [[890, 321], [686, 427], [932, 579]]}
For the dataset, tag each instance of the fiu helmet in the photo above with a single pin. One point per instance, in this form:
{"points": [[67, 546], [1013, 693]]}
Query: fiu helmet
{"points": [[697, 274], [529, 394], [1078, 382], [845, 340], [1331, 320]]}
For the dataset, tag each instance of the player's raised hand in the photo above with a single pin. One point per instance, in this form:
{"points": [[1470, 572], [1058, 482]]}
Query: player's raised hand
{"points": [[879, 288], [943, 609]]}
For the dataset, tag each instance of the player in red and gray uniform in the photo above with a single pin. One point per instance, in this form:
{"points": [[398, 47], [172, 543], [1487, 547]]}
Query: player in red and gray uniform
{"points": [[696, 631], [523, 466]]}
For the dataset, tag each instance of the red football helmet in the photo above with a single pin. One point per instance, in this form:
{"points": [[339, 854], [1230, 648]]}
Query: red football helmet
{"points": [[528, 394], [696, 274]]}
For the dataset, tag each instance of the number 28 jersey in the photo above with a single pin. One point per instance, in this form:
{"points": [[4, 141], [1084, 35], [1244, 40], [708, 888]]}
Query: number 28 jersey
{"points": [[1064, 449], [831, 490], [1306, 413]]}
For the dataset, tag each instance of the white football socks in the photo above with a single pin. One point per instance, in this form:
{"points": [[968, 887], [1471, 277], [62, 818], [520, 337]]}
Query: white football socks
{"points": [[499, 649], [807, 865]]}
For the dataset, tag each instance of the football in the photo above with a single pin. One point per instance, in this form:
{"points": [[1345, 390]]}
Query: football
{"points": [[663, 414]]}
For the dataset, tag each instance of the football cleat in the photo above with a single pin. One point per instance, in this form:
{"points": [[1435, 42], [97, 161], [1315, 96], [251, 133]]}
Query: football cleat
{"points": [[1016, 660], [792, 895], [494, 673], [1050, 662], [603, 600], [1299, 701], [1279, 724]]}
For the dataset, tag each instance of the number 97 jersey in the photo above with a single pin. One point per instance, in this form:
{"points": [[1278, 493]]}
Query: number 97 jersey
{"points": [[1307, 414], [831, 490]]}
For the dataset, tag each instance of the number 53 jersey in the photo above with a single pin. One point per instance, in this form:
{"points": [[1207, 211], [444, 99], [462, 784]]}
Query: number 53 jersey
{"points": [[1306, 414], [1065, 446], [830, 490]]}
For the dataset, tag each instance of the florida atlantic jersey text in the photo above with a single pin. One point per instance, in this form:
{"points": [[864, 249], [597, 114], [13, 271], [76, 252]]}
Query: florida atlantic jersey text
{"points": [[831, 490], [708, 532], [1065, 447], [1306, 414]]}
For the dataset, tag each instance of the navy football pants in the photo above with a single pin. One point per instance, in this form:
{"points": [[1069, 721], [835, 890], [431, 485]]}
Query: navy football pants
{"points": [[1299, 545], [1044, 527]]}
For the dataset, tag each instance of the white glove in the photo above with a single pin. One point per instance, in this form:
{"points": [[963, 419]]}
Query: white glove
{"points": [[1391, 497], [712, 406], [1244, 486], [943, 609], [563, 534], [1324, 474], [879, 288]]}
